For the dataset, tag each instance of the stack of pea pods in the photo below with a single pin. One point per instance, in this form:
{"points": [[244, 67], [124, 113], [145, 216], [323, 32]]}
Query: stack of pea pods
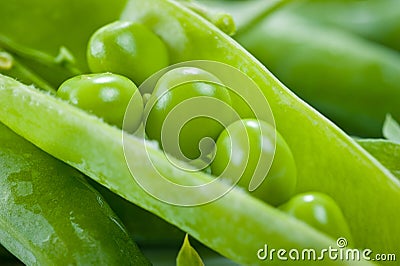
{"points": [[74, 173]]}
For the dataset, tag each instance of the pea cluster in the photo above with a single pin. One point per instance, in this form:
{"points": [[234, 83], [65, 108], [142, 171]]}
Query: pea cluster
{"points": [[123, 53]]}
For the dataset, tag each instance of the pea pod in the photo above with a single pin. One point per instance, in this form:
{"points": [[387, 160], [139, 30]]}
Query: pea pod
{"points": [[328, 68], [385, 151], [49, 215], [145, 228], [325, 66], [251, 223], [316, 144], [90, 151], [378, 21]]}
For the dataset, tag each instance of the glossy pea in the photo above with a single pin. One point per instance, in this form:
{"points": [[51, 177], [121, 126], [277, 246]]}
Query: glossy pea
{"points": [[107, 96], [183, 110], [127, 48], [247, 146], [321, 212]]}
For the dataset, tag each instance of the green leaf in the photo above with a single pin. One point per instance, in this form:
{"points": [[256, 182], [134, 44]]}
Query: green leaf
{"points": [[385, 151], [391, 129], [188, 255]]}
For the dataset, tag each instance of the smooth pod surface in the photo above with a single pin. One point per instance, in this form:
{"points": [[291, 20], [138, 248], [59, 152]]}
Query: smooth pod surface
{"points": [[50, 215], [350, 80]]}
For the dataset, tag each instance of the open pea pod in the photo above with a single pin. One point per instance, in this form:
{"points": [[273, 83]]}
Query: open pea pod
{"points": [[236, 225], [50, 215], [316, 143]]}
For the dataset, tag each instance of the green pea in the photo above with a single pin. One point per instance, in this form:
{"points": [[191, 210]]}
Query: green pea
{"points": [[247, 146], [185, 109], [321, 212], [106, 95], [127, 48]]}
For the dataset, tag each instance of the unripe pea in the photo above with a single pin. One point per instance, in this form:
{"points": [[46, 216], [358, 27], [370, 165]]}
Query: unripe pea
{"points": [[105, 95], [321, 212], [127, 48], [187, 92], [245, 149]]}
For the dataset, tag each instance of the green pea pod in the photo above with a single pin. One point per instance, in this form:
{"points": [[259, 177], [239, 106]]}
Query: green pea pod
{"points": [[145, 228], [49, 215], [385, 151], [316, 143], [378, 21], [352, 81], [253, 221], [236, 225]]}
